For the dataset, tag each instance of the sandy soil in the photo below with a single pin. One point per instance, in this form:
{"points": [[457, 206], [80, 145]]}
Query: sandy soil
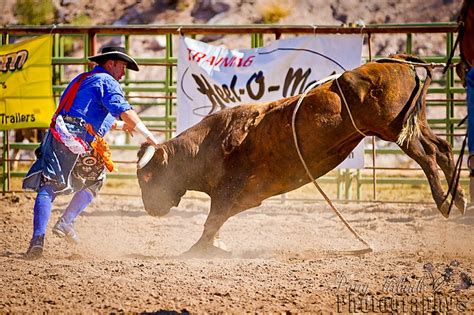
{"points": [[286, 257]]}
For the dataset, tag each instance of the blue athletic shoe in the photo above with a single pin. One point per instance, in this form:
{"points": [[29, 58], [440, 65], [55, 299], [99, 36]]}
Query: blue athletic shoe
{"points": [[35, 250], [63, 229]]}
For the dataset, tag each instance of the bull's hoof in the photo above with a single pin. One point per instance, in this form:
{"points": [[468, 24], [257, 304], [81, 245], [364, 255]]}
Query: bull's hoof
{"points": [[210, 251], [460, 201], [471, 189], [461, 204], [220, 244], [444, 209]]}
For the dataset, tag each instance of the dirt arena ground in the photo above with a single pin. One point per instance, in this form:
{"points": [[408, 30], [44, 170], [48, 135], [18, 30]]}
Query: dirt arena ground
{"points": [[286, 257]]}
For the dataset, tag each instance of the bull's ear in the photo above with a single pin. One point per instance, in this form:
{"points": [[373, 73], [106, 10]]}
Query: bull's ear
{"points": [[162, 155]]}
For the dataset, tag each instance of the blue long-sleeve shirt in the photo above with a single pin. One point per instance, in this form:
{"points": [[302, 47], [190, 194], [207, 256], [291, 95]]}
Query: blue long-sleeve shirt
{"points": [[99, 101]]}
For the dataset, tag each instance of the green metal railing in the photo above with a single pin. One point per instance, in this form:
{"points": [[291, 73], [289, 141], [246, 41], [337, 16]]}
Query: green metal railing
{"points": [[72, 45]]}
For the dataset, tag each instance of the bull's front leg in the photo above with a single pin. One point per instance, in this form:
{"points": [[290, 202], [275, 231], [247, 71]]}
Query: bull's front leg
{"points": [[209, 244]]}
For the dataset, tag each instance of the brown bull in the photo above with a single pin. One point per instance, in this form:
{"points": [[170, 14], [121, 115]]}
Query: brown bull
{"points": [[240, 156]]}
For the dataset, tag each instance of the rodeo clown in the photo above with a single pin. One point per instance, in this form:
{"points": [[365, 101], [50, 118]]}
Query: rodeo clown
{"points": [[73, 157]]}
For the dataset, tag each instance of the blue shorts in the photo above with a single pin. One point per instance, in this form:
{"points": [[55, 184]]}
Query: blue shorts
{"points": [[65, 171]]}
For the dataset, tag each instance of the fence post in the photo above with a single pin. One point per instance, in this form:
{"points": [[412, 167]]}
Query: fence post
{"points": [[168, 85], [6, 146], [92, 43], [374, 173], [409, 47], [358, 185], [449, 94], [5, 164], [339, 184], [253, 40], [347, 184]]}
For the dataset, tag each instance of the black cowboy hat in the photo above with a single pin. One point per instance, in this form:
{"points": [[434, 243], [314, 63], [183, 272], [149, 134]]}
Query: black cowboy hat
{"points": [[115, 53]]}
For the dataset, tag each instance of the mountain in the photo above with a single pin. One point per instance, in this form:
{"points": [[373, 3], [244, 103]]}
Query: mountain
{"points": [[297, 12]]}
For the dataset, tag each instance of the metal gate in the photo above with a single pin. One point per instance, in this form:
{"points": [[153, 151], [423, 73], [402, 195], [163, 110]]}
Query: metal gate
{"points": [[72, 46]]}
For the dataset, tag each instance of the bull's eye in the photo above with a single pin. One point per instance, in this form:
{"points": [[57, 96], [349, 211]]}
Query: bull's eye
{"points": [[147, 177]]}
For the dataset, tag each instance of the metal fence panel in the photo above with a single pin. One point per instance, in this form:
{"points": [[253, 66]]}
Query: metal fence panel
{"points": [[155, 98]]}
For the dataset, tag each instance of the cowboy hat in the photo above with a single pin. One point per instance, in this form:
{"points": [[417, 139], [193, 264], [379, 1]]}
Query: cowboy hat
{"points": [[115, 53]]}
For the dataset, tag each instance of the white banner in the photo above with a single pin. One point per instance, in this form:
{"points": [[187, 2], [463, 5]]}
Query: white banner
{"points": [[211, 78]]}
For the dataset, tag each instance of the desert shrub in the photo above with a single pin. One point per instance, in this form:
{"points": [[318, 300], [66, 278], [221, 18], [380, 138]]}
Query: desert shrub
{"points": [[273, 11], [34, 12], [68, 41], [182, 5], [81, 20]]}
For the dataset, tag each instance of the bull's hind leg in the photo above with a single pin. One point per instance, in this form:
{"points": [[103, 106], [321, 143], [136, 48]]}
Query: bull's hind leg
{"points": [[424, 154], [444, 158]]}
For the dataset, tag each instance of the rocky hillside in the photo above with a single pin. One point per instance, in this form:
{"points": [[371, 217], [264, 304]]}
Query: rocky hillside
{"points": [[318, 12], [236, 12]]}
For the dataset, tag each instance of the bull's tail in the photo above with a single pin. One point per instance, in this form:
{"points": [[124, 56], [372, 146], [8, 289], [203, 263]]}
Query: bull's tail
{"points": [[416, 114]]}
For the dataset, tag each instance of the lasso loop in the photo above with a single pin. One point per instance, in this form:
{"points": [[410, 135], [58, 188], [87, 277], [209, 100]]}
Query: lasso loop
{"points": [[313, 180]]}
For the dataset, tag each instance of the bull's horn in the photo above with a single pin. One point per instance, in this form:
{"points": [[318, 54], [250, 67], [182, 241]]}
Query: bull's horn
{"points": [[146, 157]]}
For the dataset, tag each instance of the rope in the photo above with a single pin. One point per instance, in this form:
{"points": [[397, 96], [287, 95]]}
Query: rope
{"points": [[453, 185], [419, 64], [456, 43], [313, 180], [348, 110], [456, 176]]}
